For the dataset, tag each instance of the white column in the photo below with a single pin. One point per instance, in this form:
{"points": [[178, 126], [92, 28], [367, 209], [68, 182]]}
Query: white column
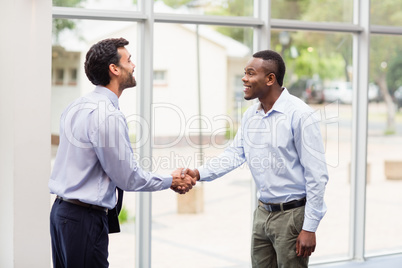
{"points": [[361, 60], [144, 101], [25, 53], [262, 34], [262, 41]]}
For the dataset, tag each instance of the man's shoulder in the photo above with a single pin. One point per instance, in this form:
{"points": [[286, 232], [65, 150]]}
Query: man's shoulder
{"points": [[90, 101], [299, 111], [298, 103], [79, 104], [297, 106]]}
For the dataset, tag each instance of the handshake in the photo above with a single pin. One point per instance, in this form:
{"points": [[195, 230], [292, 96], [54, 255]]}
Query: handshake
{"points": [[184, 179]]}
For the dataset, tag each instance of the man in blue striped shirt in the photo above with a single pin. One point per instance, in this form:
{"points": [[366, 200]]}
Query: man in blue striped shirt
{"points": [[94, 157]]}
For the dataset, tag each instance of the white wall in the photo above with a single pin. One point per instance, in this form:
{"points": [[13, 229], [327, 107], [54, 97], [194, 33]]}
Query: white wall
{"points": [[25, 133], [175, 51]]}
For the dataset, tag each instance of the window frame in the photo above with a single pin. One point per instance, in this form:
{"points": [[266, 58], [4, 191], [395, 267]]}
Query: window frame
{"points": [[262, 24]]}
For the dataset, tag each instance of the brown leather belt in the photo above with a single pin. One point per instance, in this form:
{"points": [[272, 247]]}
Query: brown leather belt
{"points": [[82, 204], [283, 206]]}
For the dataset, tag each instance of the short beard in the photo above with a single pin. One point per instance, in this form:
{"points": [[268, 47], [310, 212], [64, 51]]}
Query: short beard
{"points": [[129, 82]]}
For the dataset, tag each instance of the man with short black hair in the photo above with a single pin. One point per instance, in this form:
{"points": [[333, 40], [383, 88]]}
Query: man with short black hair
{"points": [[280, 139], [93, 159]]}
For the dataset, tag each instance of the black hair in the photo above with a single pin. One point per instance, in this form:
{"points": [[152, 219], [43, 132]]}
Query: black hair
{"points": [[99, 57], [270, 55]]}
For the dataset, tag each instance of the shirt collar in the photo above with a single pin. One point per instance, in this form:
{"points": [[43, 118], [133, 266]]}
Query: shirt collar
{"points": [[281, 102], [279, 105], [109, 94]]}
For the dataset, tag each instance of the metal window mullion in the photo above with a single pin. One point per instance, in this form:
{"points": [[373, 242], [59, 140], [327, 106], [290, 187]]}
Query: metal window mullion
{"points": [[144, 104], [262, 33], [261, 40], [209, 20], [390, 30], [361, 62], [315, 26], [96, 14]]}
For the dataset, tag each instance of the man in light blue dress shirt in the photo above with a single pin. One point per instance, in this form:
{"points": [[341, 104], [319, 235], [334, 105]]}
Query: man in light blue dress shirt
{"points": [[280, 140], [94, 157]]}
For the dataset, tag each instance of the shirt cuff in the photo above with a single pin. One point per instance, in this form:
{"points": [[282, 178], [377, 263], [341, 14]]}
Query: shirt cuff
{"points": [[166, 182], [310, 225], [203, 173]]}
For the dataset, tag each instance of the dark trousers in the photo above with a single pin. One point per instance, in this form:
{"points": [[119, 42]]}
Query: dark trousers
{"points": [[79, 236]]}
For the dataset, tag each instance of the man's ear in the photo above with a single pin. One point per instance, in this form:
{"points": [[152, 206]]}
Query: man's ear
{"points": [[114, 69], [270, 79]]}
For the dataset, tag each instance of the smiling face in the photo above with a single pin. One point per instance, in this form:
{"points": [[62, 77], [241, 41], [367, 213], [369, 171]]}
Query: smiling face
{"points": [[127, 69], [257, 79]]}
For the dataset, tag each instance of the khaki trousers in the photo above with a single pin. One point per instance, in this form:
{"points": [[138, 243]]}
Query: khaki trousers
{"points": [[273, 242]]}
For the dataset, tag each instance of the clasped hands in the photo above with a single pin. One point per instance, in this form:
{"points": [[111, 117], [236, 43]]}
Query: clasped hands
{"points": [[183, 180]]}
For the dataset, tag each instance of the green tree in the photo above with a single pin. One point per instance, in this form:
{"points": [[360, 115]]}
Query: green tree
{"points": [[67, 3], [60, 24], [226, 8], [318, 54], [380, 57], [176, 3], [336, 45], [394, 75], [288, 9], [384, 51], [382, 48], [335, 50], [234, 8]]}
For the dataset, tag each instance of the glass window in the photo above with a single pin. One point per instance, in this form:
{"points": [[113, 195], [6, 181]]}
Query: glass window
{"points": [[384, 167], [211, 207], [59, 77], [98, 4], [313, 10], [385, 12], [318, 66], [70, 44], [73, 74], [160, 77], [218, 8], [319, 71]]}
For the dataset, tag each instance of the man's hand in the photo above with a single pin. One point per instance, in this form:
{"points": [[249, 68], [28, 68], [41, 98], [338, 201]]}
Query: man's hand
{"points": [[192, 172], [182, 182], [305, 244]]}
